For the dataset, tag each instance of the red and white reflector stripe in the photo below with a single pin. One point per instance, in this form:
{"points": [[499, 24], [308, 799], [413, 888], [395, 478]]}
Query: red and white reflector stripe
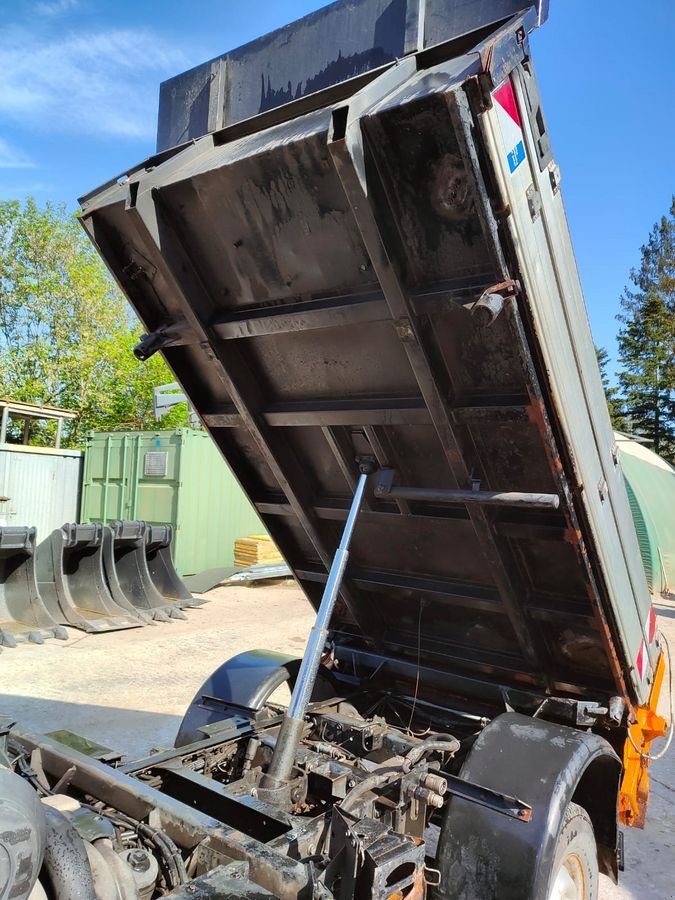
{"points": [[640, 660], [510, 125], [651, 626], [507, 100]]}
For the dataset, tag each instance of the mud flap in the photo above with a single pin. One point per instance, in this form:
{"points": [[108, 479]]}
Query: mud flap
{"points": [[158, 540], [128, 575], [23, 614], [72, 582], [484, 853]]}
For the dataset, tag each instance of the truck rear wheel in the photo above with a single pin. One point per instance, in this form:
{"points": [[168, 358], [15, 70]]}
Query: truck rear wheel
{"points": [[574, 875]]}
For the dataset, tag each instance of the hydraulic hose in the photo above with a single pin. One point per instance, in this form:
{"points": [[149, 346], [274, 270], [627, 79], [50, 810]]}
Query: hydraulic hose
{"points": [[371, 783], [66, 860], [442, 743]]}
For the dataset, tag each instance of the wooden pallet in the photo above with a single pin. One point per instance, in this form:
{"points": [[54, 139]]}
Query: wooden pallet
{"points": [[255, 549]]}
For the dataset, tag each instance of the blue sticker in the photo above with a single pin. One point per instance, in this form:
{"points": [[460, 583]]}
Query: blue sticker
{"points": [[516, 156]]}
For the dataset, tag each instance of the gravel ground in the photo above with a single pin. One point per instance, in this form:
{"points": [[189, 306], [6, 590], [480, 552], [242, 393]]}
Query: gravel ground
{"points": [[129, 690]]}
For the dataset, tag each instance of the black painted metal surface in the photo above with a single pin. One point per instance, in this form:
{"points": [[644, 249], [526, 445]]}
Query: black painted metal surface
{"points": [[316, 280], [23, 614], [342, 41], [481, 853]]}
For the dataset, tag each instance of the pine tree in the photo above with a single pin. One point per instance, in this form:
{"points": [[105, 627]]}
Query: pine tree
{"points": [[611, 393], [646, 341]]}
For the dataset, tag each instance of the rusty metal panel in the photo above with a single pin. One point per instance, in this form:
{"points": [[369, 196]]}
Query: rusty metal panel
{"points": [[42, 486]]}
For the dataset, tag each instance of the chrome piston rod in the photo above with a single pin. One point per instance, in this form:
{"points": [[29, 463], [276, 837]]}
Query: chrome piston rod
{"points": [[290, 733]]}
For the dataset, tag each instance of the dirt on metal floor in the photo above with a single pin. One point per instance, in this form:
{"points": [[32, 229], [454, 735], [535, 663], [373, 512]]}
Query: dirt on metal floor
{"points": [[129, 690]]}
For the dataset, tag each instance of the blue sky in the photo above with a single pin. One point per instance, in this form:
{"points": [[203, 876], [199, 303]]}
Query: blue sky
{"points": [[79, 83]]}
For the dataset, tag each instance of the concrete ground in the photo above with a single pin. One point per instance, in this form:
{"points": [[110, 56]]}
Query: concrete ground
{"points": [[129, 690]]}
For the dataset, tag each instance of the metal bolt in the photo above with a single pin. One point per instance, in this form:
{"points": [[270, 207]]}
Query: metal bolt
{"points": [[138, 860]]}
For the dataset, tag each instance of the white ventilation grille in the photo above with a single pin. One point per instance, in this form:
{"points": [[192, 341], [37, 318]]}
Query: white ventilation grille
{"points": [[155, 463]]}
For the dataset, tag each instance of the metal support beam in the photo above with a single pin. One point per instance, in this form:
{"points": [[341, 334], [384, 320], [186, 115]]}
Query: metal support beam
{"points": [[156, 222], [349, 149], [369, 413], [283, 760], [386, 489], [3, 424], [305, 315], [501, 803]]}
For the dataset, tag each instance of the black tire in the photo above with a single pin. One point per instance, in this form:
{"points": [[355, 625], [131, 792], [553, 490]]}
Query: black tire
{"points": [[575, 862]]}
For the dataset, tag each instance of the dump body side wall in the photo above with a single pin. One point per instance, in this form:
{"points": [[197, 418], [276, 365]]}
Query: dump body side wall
{"points": [[545, 258], [341, 41]]}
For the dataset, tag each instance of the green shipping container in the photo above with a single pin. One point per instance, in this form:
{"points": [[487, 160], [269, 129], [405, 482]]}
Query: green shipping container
{"points": [[169, 477]]}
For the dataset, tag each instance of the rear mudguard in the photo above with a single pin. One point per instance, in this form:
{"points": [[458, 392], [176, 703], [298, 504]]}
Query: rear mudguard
{"points": [[482, 853], [247, 680]]}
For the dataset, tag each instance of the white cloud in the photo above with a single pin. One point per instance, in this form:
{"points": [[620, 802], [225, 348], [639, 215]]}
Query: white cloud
{"points": [[95, 82], [12, 158], [55, 7]]}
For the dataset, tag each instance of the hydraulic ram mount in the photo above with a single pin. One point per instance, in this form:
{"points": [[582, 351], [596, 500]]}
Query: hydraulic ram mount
{"points": [[275, 784]]}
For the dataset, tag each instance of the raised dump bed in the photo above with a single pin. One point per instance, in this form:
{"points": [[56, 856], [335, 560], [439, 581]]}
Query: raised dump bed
{"points": [[390, 275], [363, 279]]}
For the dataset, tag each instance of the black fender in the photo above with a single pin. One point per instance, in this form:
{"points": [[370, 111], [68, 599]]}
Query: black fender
{"points": [[245, 681], [482, 853]]}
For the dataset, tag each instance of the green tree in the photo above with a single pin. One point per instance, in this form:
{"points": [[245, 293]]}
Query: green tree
{"points": [[646, 341], [611, 392], [66, 331]]}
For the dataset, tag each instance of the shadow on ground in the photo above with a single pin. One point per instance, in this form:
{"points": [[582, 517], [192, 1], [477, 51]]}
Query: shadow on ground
{"points": [[132, 732]]}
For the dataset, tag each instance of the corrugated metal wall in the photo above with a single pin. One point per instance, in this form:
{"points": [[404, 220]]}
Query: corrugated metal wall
{"points": [[650, 482], [173, 477], [42, 486]]}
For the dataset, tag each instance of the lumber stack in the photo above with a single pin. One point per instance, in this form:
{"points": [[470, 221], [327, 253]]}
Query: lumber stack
{"points": [[256, 549]]}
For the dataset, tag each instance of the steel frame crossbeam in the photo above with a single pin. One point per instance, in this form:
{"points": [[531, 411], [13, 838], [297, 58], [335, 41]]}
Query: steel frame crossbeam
{"points": [[351, 156], [155, 217]]}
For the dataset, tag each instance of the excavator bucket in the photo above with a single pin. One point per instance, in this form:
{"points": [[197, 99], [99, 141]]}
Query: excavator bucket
{"points": [[23, 614], [128, 575], [72, 581], [158, 540]]}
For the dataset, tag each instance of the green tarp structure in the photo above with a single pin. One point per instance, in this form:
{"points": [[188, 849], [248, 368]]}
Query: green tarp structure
{"points": [[650, 481]]}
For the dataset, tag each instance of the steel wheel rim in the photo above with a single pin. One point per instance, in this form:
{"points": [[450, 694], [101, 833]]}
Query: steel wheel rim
{"points": [[569, 882]]}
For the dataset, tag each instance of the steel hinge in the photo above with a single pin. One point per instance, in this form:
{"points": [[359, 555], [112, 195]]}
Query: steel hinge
{"points": [[533, 202]]}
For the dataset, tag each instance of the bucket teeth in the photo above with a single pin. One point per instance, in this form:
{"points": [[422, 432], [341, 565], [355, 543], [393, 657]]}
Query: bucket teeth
{"points": [[90, 576], [7, 639], [161, 615], [190, 604]]}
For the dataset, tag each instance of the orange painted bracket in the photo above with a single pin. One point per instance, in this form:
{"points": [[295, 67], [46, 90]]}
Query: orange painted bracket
{"points": [[648, 726]]}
